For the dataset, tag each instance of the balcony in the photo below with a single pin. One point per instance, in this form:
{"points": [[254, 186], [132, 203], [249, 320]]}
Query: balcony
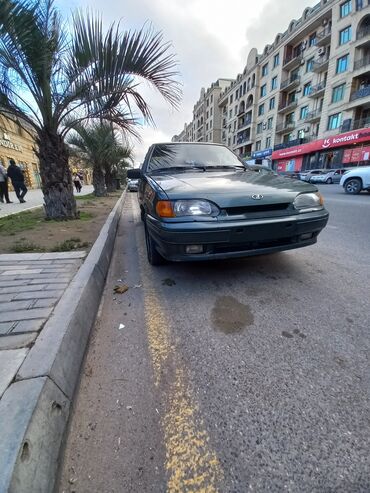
{"points": [[243, 141], [284, 127], [313, 116], [362, 63], [292, 61], [290, 83], [321, 66], [362, 4], [291, 143], [318, 90], [363, 36], [356, 124], [364, 92], [284, 107], [324, 37], [244, 123]]}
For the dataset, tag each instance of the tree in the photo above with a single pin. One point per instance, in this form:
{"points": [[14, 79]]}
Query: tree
{"points": [[98, 145], [54, 77]]}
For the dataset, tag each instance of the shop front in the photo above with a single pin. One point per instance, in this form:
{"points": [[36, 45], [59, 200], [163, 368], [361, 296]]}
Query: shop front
{"points": [[343, 150]]}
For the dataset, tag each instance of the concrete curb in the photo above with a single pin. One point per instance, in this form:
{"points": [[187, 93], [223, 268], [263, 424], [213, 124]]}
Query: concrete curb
{"points": [[34, 410]]}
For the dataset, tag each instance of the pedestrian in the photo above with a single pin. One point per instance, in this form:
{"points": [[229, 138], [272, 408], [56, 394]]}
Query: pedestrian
{"points": [[17, 177], [77, 182], [4, 185]]}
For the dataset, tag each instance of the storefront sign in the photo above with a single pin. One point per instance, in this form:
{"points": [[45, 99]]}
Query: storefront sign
{"points": [[355, 137], [289, 165], [261, 154], [10, 145], [356, 155]]}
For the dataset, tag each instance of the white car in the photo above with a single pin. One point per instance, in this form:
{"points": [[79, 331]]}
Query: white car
{"points": [[329, 176], [356, 180]]}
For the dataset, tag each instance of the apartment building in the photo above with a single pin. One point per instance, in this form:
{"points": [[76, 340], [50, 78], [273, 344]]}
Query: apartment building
{"points": [[206, 123], [304, 102]]}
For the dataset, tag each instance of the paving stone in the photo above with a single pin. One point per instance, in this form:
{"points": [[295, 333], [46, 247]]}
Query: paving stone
{"points": [[63, 255], [15, 257], [45, 302], [29, 326], [27, 277], [17, 341], [12, 282], [34, 295], [54, 285], [25, 287], [20, 272], [10, 361], [13, 306], [6, 327], [32, 314], [5, 297], [57, 280]]}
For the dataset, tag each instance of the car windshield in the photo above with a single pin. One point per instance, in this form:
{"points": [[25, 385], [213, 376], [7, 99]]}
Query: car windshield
{"points": [[192, 156]]}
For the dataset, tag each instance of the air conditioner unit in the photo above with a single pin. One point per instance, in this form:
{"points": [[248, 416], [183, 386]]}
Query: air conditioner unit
{"points": [[321, 51], [302, 62], [325, 22]]}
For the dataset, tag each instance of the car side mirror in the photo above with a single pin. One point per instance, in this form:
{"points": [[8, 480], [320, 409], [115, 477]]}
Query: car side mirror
{"points": [[134, 174]]}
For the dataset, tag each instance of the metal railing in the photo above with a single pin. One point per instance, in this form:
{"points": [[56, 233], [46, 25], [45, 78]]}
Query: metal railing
{"points": [[285, 126], [295, 79], [293, 58], [361, 93], [317, 66], [288, 105], [324, 33], [363, 62], [244, 123], [313, 115], [291, 143], [362, 32], [318, 88]]}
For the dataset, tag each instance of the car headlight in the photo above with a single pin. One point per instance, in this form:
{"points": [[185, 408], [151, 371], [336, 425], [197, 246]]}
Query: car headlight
{"points": [[183, 208], [306, 202]]}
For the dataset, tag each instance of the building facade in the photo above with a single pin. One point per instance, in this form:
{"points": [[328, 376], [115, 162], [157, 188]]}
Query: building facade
{"points": [[305, 101], [17, 144]]}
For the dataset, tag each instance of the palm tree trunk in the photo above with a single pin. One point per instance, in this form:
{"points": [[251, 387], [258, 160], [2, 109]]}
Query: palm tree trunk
{"points": [[110, 180], [56, 179], [99, 182]]}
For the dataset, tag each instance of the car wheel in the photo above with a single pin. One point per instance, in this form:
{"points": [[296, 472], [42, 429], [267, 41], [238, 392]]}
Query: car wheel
{"points": [[329, 181], [154, 258], [353, 186]]}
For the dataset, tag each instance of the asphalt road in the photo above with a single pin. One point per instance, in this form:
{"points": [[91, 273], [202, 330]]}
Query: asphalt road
{"points": [[233, 376]]}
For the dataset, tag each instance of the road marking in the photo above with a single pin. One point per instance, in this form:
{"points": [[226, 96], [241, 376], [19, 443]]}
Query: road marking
{"points": [[191, 464]]}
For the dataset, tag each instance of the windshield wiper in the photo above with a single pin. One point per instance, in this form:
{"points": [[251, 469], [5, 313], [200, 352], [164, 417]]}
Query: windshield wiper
{"points": [[233, 166], [178, 168]]}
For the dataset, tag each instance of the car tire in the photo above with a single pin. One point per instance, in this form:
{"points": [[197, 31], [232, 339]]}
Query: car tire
{"points": [[353, 186], [154, 258], [329, 181]]}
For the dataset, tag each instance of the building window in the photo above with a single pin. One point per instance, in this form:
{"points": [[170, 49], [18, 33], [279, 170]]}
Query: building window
{"points": [[312, 39], [236, 94], [259, 128], [210, 124], [269, 123], [272, 103], [309, 64], [235, 110], [292, 97], [258, 145], [334, 121], [307, 89], [342, 64], [263, 91], [261, 109], [211, 98], [338, 93], [303, 113], [345, 8], [276, 60], [268, 142], [230, 113], [211, 111], [231, 99], [290, 118], [345, 35], [301, 134], [265, 70], [274, 83]]}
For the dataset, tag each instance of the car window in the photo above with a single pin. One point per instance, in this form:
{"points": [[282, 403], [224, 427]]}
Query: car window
{"points": [[189, 155]]}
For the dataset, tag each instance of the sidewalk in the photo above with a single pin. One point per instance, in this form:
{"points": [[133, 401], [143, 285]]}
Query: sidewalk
{"points": [[34, 198]]}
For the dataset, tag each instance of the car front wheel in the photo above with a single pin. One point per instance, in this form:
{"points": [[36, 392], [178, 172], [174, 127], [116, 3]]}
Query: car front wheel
{"points": [[329, 181], [353, 186], [154, 258]]}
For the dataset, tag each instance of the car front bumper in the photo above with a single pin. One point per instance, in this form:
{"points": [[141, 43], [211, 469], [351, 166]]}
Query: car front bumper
{"points": [[242, 238]]}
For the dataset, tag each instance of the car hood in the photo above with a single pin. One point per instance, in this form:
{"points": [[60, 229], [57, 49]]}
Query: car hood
{"points": [[231, 189]]}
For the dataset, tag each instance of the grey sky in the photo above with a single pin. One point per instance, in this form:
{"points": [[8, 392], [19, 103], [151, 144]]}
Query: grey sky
{"points": [[211, 39]]}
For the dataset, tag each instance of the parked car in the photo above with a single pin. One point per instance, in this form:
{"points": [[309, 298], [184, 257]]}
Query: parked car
{"points": [[306, 175], [132, 185], [356, 180], [329, 176], [199, 201]]}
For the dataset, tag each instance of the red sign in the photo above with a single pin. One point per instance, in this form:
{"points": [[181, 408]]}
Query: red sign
{"points": [[356, 155], [290, 165], [347, 155], [348, 138]]}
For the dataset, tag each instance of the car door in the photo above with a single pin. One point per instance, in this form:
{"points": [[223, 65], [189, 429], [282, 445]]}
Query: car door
{"points": [[337, 175]]}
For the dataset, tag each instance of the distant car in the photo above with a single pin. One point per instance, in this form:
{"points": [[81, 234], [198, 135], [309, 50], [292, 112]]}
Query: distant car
{"points": [[329, 176], [356, 180], [306, 175], [132, 185], [199, 201]]}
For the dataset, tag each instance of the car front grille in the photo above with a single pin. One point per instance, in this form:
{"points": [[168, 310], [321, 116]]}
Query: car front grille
{"points": [[239, 211]]}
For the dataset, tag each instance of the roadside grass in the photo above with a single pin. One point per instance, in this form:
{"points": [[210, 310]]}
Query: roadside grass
{"points": [[69, 245], [21, 221], [23, 246]]}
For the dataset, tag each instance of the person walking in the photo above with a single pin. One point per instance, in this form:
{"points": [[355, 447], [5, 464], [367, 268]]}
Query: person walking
{"points": [[4, 193], [16, 175], [77, 182]]}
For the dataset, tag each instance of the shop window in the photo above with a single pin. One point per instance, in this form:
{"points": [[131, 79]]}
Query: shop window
{"points": [[345, 8], [338, 93], [345, 35], [334, 121], [342, 64]]}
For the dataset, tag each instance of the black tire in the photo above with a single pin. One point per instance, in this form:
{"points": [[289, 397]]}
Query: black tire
{"points": [[329, 181], [154, 258], [353, 186]]}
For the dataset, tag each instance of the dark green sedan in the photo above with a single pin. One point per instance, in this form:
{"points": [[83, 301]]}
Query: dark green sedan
{"points": [[200, 202]]}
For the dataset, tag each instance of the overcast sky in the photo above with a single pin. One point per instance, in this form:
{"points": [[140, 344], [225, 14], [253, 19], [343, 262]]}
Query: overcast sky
{"points": [[210, 38]]}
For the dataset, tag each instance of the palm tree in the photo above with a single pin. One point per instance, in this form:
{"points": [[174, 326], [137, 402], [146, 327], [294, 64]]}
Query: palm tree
{"points": [[97, 145], [54, 77]]}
